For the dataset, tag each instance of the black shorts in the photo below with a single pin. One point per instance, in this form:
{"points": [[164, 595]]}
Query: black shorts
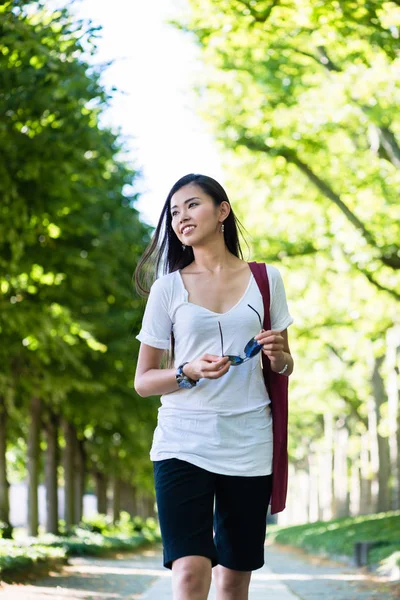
{"points": [[185, 499]]}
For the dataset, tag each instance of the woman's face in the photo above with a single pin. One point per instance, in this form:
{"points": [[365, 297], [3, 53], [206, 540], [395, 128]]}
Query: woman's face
{"points": [[194, 214]]}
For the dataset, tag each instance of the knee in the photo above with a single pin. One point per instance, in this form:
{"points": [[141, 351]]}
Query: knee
{"points": [[192, 576], [231, 583], [189, 580]]}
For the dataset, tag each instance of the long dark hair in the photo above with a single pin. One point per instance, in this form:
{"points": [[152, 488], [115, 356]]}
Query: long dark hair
{"points": [[165, 248]]}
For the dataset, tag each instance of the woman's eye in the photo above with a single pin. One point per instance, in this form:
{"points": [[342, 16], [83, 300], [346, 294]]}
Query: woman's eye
{"points": [[191, 204]]}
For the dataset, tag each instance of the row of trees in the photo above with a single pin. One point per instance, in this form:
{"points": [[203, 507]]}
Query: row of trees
{"points": [[304, 101], [69, 241], [301, 96]]}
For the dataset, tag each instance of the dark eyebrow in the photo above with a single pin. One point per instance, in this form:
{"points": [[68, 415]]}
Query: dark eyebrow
{"points": [[188, 200]]}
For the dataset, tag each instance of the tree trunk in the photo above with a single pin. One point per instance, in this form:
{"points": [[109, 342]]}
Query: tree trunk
{"points": [[142, 505], [33, 465], [52, 457], [325, 470], [340, 482], [354, 489], [134, 499], [393, 354], [69, 437], [302, 487], [101, 492], [126, 494], [150, 506], [79, 456], [116, 498], [380, 398], [4, 485], [313, 501], [365, 473], [397, 501], [373, 452]]}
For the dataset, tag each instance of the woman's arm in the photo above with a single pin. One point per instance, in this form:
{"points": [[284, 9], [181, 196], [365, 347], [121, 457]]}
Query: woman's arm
{"points": [[150, 379]]}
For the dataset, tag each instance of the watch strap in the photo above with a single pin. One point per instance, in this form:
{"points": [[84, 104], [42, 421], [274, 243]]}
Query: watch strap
{"points": [[180, 376]]}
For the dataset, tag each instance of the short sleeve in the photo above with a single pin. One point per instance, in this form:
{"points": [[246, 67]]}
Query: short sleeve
{"points": [[279, 311], [156, 324]]}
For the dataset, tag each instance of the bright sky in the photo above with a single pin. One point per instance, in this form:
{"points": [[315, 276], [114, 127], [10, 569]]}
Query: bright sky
{"points": [[155, 68]]}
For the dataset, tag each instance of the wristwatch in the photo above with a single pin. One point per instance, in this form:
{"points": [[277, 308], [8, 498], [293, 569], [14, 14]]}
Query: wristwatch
{"points": [[183, 380]]}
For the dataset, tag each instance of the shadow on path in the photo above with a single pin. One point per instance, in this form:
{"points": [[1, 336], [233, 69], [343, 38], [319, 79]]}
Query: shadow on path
{"points": [[315, 578], [288, 574], [122, 578]]}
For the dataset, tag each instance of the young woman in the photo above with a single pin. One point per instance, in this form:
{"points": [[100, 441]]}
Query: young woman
{"points": [[212, 448]]}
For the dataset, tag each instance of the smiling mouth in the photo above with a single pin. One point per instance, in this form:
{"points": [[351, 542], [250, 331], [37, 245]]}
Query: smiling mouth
{"points": [[187, 230]]}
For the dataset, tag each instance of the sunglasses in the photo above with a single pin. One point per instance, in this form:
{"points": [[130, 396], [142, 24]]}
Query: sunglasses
{"points": [[251, 348]]}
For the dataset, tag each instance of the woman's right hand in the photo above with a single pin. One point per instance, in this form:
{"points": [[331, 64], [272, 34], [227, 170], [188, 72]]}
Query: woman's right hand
{"points": [[208, 366]]}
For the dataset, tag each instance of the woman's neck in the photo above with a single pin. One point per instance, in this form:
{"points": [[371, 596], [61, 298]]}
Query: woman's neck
{"points": [[207, 260]]}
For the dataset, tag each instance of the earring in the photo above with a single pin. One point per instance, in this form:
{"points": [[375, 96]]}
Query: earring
{"points": [[222, 228], [183, 247]]}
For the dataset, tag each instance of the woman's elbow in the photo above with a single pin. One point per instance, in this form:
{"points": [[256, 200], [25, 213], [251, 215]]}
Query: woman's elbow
{"points": [[139, 389]]}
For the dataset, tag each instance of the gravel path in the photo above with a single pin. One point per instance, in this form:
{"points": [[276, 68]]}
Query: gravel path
{"points": [[287, 575]]}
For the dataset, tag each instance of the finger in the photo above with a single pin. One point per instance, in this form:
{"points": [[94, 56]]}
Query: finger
{"points": [[211, 357], [216, 366], [212, 361], [267, 333], [273, 339], [221, 364], [222, 371], [273, 346], [272, 353]]}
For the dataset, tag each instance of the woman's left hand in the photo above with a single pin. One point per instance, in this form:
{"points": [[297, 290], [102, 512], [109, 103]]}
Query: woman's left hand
{"points": [[272, 345]]}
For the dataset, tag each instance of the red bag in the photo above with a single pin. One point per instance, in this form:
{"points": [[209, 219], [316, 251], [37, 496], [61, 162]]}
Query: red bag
{"points": [[277, 387]]}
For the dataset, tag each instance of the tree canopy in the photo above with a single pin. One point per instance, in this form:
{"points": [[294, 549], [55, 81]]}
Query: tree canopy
{"points": [[70, 237]]}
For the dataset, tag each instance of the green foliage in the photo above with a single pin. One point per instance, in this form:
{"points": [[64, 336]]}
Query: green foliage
{"points": [[300, 95], [15, 558], [98, 523], [338, 537], [48, 549], [85, 543], [6, 530], [69, 241], [126, 525], [387, 555]]}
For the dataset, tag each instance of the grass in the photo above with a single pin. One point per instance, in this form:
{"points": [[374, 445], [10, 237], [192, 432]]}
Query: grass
{"points": [[337, 538], [15, 559], [25, 556], [85, 543]]}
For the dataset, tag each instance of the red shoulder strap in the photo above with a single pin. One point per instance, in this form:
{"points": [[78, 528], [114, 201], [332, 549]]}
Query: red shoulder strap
{"points": [[277, 386], [259, 271]]}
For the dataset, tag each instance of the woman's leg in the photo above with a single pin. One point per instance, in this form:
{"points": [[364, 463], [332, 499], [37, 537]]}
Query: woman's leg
{"points": [[240, 518], [185, 497], [230, 584], [191, 578]]}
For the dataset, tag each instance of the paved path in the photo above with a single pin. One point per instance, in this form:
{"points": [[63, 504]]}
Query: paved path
{"points": [[287, 575], [294, 575], [264, 586], [125, 578]]}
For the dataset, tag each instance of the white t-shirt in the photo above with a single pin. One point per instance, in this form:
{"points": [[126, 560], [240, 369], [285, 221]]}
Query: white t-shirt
{"points": [[223, 425]]}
